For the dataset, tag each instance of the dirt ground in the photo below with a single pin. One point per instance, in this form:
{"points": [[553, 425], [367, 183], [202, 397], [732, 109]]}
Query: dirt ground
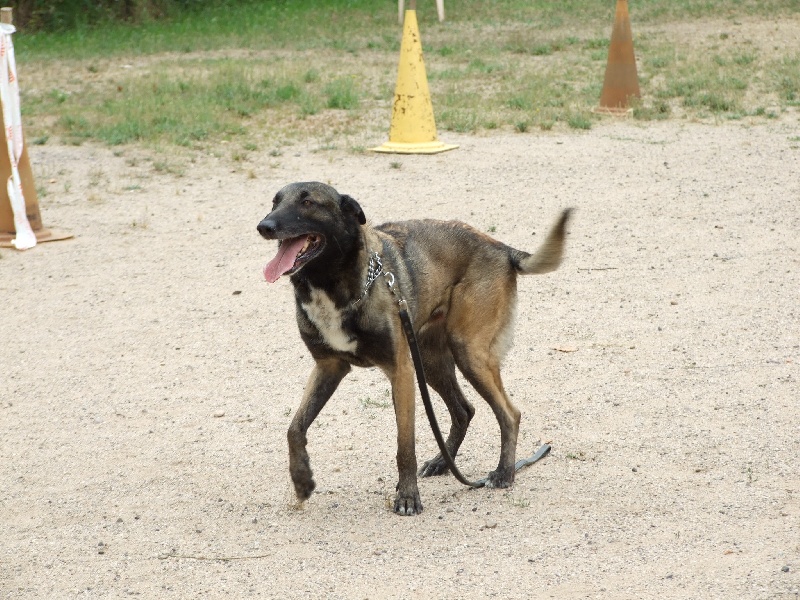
{"points": [[149, 375]]}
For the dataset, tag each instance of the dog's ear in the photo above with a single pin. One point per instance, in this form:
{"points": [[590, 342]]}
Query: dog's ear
{"points": [[349, 205]]}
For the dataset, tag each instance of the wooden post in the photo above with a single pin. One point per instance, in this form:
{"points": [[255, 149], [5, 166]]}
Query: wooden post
{"points": [[7, 228], [412, 5]]}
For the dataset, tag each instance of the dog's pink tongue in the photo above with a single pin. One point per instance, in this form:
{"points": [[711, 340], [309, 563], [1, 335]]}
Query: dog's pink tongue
{"points": [[284, 260]]}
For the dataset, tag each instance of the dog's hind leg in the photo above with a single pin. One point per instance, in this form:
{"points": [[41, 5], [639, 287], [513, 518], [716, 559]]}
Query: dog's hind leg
{"points": [[482, 370], [480, 326], [440, 372], [322, 382]]}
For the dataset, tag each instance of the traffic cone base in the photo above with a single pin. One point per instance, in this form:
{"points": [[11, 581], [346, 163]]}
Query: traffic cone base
{"points": [[414, 148], [612, 111], [42, 235], [413, 128]]}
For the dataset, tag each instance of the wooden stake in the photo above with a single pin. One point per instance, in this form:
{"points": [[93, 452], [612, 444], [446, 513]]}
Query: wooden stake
{"points": [[7, 232]]}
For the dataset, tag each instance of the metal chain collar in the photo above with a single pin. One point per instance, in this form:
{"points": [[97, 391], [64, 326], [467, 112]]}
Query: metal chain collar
{"points": [[375, 270]]}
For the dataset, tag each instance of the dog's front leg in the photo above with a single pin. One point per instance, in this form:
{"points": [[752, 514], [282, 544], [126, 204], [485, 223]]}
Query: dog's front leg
{"points": [[407, 501], [322, 382]]}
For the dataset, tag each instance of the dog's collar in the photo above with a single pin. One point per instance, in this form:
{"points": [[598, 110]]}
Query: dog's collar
{"points": [[374, 270]]}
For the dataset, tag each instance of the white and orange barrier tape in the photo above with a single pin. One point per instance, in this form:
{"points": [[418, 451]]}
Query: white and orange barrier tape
{"points": [[12, 121]]}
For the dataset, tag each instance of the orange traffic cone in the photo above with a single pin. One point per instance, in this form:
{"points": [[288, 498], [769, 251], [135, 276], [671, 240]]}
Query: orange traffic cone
{"points": [[7, 228], [621, 81], [413, 129]]}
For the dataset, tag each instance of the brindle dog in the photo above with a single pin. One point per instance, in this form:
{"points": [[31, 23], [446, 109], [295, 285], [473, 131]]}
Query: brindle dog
{"points": [[460, 287]]}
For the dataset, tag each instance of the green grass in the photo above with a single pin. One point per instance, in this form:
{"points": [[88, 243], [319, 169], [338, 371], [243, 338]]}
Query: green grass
{"points": [[295, 68], [342, 93], [353, 25], [209, 99]]}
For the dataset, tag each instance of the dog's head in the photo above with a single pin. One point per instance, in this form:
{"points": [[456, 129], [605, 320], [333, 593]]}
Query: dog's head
{"points": [[310, 220]]}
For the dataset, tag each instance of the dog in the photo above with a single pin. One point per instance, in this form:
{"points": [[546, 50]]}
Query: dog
{"points": [[460, 289]]}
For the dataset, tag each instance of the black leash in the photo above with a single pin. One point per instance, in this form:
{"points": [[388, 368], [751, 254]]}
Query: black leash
{"points": [[408, 329]]}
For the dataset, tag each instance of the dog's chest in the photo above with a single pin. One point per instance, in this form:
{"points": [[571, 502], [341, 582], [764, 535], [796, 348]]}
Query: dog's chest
{"points": [[328, 319]]}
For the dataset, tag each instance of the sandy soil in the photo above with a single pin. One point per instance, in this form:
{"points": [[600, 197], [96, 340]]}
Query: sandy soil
{"points": [[149, 375]]}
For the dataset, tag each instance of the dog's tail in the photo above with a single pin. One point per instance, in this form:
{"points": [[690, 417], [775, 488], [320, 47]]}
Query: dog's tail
{"points": [[548, 257]]}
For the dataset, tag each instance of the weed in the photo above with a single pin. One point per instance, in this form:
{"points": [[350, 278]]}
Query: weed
{"points": [[143, 222], [311, 76], [309, 105], [580, 455], [58, 96], [541, 50], [165, 167], [479, 66], [745, 58], [579, 121], [596, 44], [368, 402], [459, 120], [96, 176], [659, 61], [658, 110], [342, 94], [519, 501]]}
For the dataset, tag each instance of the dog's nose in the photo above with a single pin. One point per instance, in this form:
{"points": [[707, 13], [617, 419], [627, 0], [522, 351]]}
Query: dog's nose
{"points": [[267, 228]]}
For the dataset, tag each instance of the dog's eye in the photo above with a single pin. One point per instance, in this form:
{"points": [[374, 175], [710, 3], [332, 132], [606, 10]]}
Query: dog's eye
{"points": [[306, 202]]}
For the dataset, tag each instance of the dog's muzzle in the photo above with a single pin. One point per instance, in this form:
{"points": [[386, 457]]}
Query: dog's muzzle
{"points": [[267, 228]]}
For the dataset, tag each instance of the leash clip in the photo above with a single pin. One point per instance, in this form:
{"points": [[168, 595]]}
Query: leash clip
{"points": [[374, 270], [390, 282]]}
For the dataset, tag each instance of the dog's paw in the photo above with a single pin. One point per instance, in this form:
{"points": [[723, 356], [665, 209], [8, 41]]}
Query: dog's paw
{"points": [[407, 504], [500, 479], [302, 479], [303, 488], [435, 466]]}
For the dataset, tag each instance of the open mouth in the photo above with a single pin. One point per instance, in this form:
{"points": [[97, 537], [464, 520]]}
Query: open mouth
{"points": [[292, 254]]}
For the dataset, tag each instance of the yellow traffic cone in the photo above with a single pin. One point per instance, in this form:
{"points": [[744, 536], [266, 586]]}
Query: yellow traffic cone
{"points": [[413, 129], [621, 81]]}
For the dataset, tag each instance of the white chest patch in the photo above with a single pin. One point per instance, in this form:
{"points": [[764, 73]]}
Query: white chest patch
{"points": [[322, 312]]}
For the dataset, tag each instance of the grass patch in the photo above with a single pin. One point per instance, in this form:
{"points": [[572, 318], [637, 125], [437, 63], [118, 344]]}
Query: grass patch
{"points": [[579, 121], [508, 65], [342, 94]]}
